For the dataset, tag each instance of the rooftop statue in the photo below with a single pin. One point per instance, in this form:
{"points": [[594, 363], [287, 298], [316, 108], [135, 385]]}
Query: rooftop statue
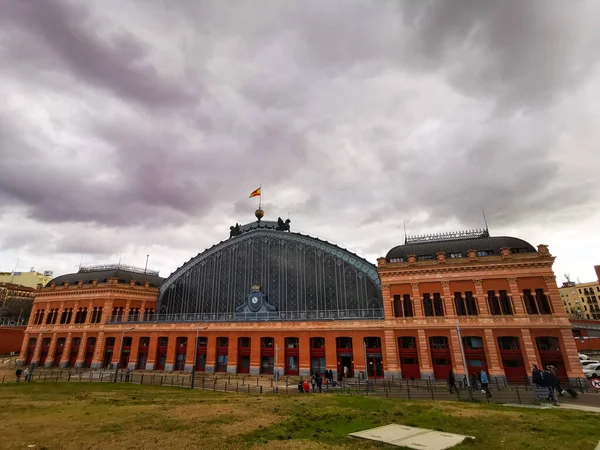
{"points": [[283, 226], [235, 231]]}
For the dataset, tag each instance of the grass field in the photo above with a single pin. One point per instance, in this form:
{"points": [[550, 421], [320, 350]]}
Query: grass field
{"points": [[124, 416]]}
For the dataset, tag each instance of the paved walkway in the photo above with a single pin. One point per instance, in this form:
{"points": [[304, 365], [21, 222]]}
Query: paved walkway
{"points": [[593, 409]]}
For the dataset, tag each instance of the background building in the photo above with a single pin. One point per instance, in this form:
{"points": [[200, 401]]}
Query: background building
{"points": [[267, 297], [581, 299], [30, 279], [16, 302]]}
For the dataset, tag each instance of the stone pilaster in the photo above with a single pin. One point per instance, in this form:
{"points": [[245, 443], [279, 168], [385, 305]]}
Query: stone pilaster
{"points": [[417, 300], [558, 307], [232, 352], [424, 359], [388, 307], [482, 304], [457, 360], [492, 354], [98, 351], [23, 352], [530, 356], [81, 352], [37, 351], [390, 350], [64, 360], [570, 355], [448, 300], [51, 351], [517, 298]]}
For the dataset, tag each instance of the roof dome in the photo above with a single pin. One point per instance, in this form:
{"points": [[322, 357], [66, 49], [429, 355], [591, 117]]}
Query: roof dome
{"points": [[294, 276], [426, 247], [125, 274]]}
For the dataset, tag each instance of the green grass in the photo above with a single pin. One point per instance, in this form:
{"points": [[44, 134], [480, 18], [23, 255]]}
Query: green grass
{"points": [[103, 415]]}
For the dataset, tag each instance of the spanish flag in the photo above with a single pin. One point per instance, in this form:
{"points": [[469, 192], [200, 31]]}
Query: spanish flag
{"points": [[255, 193]]}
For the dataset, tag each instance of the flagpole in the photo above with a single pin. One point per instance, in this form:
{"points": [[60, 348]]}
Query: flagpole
{"points": [[260, 197]]}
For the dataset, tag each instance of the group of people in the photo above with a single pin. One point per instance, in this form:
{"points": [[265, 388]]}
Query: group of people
{"points": [[316, 382], [26, 374], [478, 379], [547, 383]]}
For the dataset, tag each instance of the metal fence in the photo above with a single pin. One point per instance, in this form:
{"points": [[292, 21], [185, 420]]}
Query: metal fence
{"points": [[250, 384], [341, 314]]}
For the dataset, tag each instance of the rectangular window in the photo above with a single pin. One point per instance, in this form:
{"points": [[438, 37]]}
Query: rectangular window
{"points": [[494, 304], [438, 305], [408, 308], [424, 257], [471, 304], [505, 303], [427, 305], [529, 300], [459, 304]]}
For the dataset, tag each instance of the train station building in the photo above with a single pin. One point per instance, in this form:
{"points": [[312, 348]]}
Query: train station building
{"points": [[269, 299]]}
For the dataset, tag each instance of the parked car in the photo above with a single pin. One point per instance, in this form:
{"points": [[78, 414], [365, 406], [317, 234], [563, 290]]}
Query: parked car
{"points": [[583, 357], [592, 371], [588, 362]]}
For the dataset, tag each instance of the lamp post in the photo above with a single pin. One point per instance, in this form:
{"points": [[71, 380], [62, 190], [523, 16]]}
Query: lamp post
{"points": [[120, 350], [193, 382], [275, 374], [462, 352], [366, 362]]}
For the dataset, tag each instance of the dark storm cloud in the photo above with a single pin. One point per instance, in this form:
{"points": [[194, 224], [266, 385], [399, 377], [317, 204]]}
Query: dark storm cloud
{"points": [[163, 116], [522, 54], [59, 35]]}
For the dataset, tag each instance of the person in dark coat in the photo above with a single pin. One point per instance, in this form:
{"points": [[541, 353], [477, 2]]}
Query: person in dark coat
{"points": [[300, 387], [18, 374], [451, 381], [319, 382]]}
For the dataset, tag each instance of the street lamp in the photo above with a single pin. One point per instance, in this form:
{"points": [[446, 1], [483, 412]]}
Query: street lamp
{"points": [[366, 362], [462, 352], [275, 374], [192, 384], [120, 350]]}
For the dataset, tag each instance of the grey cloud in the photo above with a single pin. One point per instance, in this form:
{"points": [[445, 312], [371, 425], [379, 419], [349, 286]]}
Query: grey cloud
{"points": [[353, 115], [59, 34]]}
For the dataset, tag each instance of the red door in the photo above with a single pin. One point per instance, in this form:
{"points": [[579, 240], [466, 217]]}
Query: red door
{"points": [[550, 355], [474, 354], [60, 346], [44, 351], [409, 358], [292, 356], [30, 350], [243, 363], [74, 351], [512, 359], [201, 354], [161, 353], [440, 357], [89, 351]]}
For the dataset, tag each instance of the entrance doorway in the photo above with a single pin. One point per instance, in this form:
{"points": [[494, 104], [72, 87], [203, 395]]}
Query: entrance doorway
{"points": [[345, 355], [345, 361], [375, 366]]}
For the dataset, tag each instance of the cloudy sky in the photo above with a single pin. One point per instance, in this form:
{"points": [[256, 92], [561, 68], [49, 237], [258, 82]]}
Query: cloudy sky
{"points": [[135, 127]]}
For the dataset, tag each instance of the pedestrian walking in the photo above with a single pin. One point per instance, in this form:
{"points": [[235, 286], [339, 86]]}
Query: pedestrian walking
{"points": [[483, 377], [345, 371], [27, 374], [313, 382], [18, 374], [300, 387], [319, 382], [306, 386], [451, 381], [554, 372]]}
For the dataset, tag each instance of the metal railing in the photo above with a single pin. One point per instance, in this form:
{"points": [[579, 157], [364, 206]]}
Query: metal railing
{"points": [[498, 390], [343, 314]]}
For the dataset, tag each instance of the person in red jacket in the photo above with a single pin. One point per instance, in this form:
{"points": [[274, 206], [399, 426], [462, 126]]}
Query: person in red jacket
{"points": [[306, 386]]}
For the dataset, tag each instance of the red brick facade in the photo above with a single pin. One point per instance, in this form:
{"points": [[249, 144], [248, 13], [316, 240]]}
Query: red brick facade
{"points": [[415, 345]]}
